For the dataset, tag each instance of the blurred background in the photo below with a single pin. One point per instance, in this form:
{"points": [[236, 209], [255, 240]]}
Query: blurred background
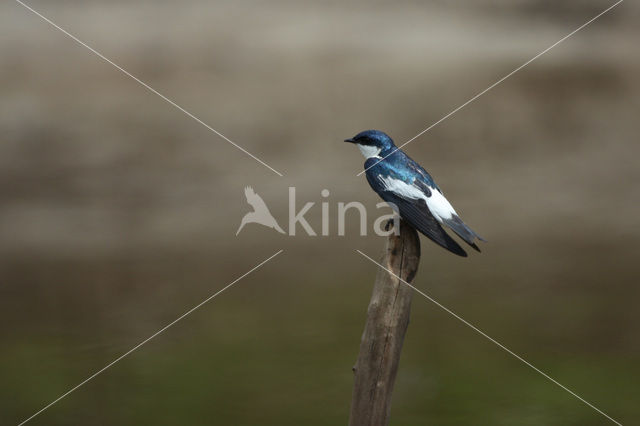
{"points": [[118, 212]]}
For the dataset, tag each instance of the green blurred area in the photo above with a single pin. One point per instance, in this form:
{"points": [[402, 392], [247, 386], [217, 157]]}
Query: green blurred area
{"points": [[118, 213]]}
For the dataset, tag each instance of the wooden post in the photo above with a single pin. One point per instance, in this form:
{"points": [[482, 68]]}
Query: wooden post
{"points": [[387, 321]]}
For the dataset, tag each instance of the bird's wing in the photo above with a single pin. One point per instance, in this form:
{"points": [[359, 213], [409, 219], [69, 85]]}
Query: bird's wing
{"points": [[423, 177], [418, 215], [440, 207], [411, 207], [444, 213]]}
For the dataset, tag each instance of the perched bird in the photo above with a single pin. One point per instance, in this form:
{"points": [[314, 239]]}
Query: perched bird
{"points": [[401, 181], [260, 213]]}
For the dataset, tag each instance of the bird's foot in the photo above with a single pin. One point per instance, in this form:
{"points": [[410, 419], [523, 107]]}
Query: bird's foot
{"points": [[389, 224]]}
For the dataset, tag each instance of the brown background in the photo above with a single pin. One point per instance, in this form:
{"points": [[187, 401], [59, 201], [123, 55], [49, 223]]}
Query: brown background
{"points": [[118, 213]]}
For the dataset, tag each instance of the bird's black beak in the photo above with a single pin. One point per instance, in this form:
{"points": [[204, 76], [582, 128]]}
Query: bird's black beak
{"points": [[350, 140]]}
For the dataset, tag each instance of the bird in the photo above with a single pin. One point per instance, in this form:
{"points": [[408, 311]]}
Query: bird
{"points": [[411, 191], [260, 213]]}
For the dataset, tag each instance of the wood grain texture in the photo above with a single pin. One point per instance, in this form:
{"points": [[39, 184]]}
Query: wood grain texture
{"points": [[387, 321]]}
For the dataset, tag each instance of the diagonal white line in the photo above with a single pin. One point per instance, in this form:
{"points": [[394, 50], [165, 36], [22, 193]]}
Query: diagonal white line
{"points": [[500, 345], [496, 83], [146, 86], [148, 338]]}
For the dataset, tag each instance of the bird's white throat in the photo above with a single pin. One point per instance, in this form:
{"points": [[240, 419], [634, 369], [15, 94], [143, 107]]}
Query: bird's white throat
{"points": [[369, 151]]}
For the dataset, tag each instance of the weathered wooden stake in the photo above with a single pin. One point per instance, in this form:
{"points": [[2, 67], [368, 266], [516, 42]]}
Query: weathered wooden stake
{"points": [[387, 321]]}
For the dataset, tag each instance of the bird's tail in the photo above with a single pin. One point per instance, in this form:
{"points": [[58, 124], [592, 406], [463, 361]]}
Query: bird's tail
{"points": [[463, 231]]}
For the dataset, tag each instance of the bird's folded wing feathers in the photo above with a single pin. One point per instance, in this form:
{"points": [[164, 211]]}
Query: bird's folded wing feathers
{"points": [[463, 231], [416, 213], [421, 203]]}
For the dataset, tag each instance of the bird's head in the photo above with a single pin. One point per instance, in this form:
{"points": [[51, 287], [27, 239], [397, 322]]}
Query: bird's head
{"points": [[373, 143]]}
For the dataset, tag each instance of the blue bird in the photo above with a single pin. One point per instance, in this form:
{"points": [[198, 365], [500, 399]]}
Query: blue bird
{"points": [[404, 183]]}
